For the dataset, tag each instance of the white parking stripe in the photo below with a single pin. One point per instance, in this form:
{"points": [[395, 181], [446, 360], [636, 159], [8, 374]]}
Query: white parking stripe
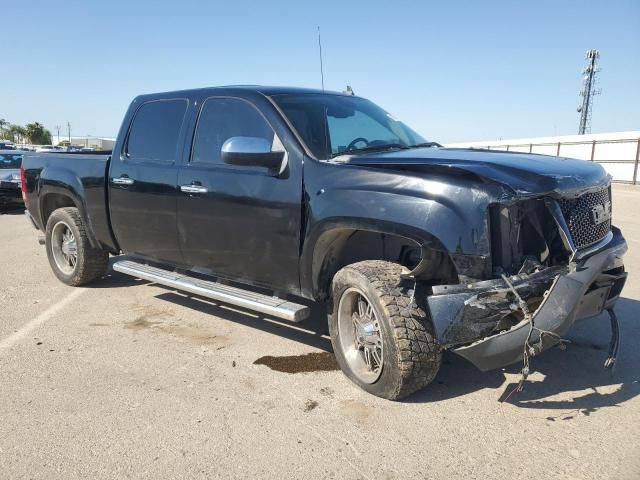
{"points": [[8, 342]]}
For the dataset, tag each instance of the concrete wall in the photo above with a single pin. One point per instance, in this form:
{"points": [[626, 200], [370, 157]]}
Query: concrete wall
{"points": [[617, 151]]}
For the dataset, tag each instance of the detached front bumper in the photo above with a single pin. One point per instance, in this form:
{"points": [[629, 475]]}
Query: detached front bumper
{"points": [[470, 320]]}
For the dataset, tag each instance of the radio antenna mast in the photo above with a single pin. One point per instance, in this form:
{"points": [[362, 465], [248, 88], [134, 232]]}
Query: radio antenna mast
{"points": [[320, 51]]}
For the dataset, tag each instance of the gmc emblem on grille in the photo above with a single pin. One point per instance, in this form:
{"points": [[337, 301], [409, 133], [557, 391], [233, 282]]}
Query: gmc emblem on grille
{"points": [[601, 213]]}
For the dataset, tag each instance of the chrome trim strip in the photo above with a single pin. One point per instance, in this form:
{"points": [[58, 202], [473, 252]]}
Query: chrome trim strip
{"points": [[586, 252], [557, 215]]}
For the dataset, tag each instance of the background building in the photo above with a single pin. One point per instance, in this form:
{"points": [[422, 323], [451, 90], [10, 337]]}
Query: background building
{"points": [[97, 143]]}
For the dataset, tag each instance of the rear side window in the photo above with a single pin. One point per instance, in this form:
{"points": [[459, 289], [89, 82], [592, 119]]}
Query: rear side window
{"points": [[155, 130], [221, 119]]}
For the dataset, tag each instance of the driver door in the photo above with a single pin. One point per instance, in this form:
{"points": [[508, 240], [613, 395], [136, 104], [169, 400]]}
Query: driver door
{"points": [[239, 222]]}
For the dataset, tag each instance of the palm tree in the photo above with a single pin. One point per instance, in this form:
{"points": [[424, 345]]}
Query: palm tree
{"points": [[37, 134], [3, 123], [18, 133]]}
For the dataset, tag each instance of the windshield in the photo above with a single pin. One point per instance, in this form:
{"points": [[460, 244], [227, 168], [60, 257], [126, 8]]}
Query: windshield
{"points": [[10, 160], [332, 125]]}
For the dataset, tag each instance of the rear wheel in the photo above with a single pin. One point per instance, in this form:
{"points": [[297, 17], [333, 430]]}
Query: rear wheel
{"points": [[382, 339], [72, 258]]}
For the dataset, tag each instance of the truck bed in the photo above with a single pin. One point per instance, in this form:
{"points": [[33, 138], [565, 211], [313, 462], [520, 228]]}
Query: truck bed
{"points": [[84, 175]]}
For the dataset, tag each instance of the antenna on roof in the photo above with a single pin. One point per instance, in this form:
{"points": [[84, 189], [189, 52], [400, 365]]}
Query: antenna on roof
{"points": [[320, 51]]}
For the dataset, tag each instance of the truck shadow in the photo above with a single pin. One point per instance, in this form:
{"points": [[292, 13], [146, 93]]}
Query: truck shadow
{"points": [[309, 332], [11, 209], [573, 380], [114, 280]]}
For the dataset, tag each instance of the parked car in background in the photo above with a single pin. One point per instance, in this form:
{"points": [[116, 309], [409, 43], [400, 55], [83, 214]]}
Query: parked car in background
{"points": [[48, 148], [10, 183], [75, 148], [7, 145]]}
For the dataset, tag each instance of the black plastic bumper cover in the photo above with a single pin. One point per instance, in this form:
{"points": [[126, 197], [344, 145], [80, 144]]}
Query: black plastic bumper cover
{"points": [[10, 192], [568, 295]]}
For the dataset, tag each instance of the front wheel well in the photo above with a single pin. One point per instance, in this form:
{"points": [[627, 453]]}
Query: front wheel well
{"points": [[339, 248]]}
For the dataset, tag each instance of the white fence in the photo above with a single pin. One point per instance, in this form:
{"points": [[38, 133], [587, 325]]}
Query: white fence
{"points": [[619, 152]]}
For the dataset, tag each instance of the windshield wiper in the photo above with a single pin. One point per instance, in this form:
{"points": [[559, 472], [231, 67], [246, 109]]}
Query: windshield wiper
{"points": [[371, 148], [425, 145]]}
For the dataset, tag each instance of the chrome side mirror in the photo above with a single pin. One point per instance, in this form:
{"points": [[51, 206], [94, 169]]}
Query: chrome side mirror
{"points": [[251, 152]]}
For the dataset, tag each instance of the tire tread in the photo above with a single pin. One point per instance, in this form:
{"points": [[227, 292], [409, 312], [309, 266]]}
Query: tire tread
{"points": [[419, 355], [92, 262]]}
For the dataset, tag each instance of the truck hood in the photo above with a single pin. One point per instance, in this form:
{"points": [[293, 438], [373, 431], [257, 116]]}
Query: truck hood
{"points": [[522, 173]]}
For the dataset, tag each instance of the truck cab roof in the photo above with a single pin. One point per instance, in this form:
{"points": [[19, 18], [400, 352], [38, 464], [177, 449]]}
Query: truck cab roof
{"points": [[259, 89]]}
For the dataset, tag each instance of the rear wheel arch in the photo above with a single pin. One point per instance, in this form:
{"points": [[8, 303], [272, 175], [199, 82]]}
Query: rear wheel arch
{"points": [[52, 200]]}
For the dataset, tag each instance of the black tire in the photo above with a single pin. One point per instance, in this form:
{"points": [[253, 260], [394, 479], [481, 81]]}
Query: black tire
{"points": [[411, 356], [91, 264]]}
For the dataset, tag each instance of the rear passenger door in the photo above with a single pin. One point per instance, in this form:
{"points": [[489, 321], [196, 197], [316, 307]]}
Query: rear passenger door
{"points": [[245, 222], [143, 182]]}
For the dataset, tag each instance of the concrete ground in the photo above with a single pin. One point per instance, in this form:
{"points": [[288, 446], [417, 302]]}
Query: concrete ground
{"points": [[130, 380]]}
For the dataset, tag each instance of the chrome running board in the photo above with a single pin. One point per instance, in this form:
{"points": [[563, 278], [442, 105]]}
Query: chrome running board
{"points": [[257, 302]]}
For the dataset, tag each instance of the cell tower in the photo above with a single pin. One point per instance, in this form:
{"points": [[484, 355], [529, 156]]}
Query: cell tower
{"points": [[588, 90]]}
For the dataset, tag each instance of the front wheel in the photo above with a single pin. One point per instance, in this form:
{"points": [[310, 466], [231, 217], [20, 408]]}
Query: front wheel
{"points": [[382, 339], [71, 256]]}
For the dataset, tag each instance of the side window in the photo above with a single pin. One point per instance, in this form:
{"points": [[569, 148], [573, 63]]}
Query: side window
{"points": [[344, 130], [155, 130], [223, 118]]}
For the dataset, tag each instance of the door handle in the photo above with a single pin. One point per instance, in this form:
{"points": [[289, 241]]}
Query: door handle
{"points": [[122, 181], [193, 189]]}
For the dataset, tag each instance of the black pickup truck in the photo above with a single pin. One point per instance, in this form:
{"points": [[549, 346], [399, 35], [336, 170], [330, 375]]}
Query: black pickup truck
{"points": [[277, 199]]}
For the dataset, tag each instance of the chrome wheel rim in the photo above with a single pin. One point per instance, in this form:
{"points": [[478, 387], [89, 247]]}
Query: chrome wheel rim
{"points": [[64, 248], [360, 335]]}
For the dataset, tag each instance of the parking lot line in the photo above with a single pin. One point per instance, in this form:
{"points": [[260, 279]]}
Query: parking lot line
{"points": [[11, 340]]}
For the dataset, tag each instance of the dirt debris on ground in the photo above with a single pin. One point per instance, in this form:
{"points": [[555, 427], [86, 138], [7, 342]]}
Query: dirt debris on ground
{"points": [[310, 405], [308, 362]]}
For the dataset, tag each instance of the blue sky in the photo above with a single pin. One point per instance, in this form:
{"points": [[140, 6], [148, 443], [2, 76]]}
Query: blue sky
{"points": [[455, 71]]}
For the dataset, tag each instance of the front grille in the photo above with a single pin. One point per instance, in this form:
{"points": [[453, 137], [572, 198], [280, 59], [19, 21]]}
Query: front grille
{"points": [[581, 215]]}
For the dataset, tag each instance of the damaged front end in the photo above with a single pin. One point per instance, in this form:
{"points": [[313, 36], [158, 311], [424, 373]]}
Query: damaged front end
{"points": [[554, 261]]}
